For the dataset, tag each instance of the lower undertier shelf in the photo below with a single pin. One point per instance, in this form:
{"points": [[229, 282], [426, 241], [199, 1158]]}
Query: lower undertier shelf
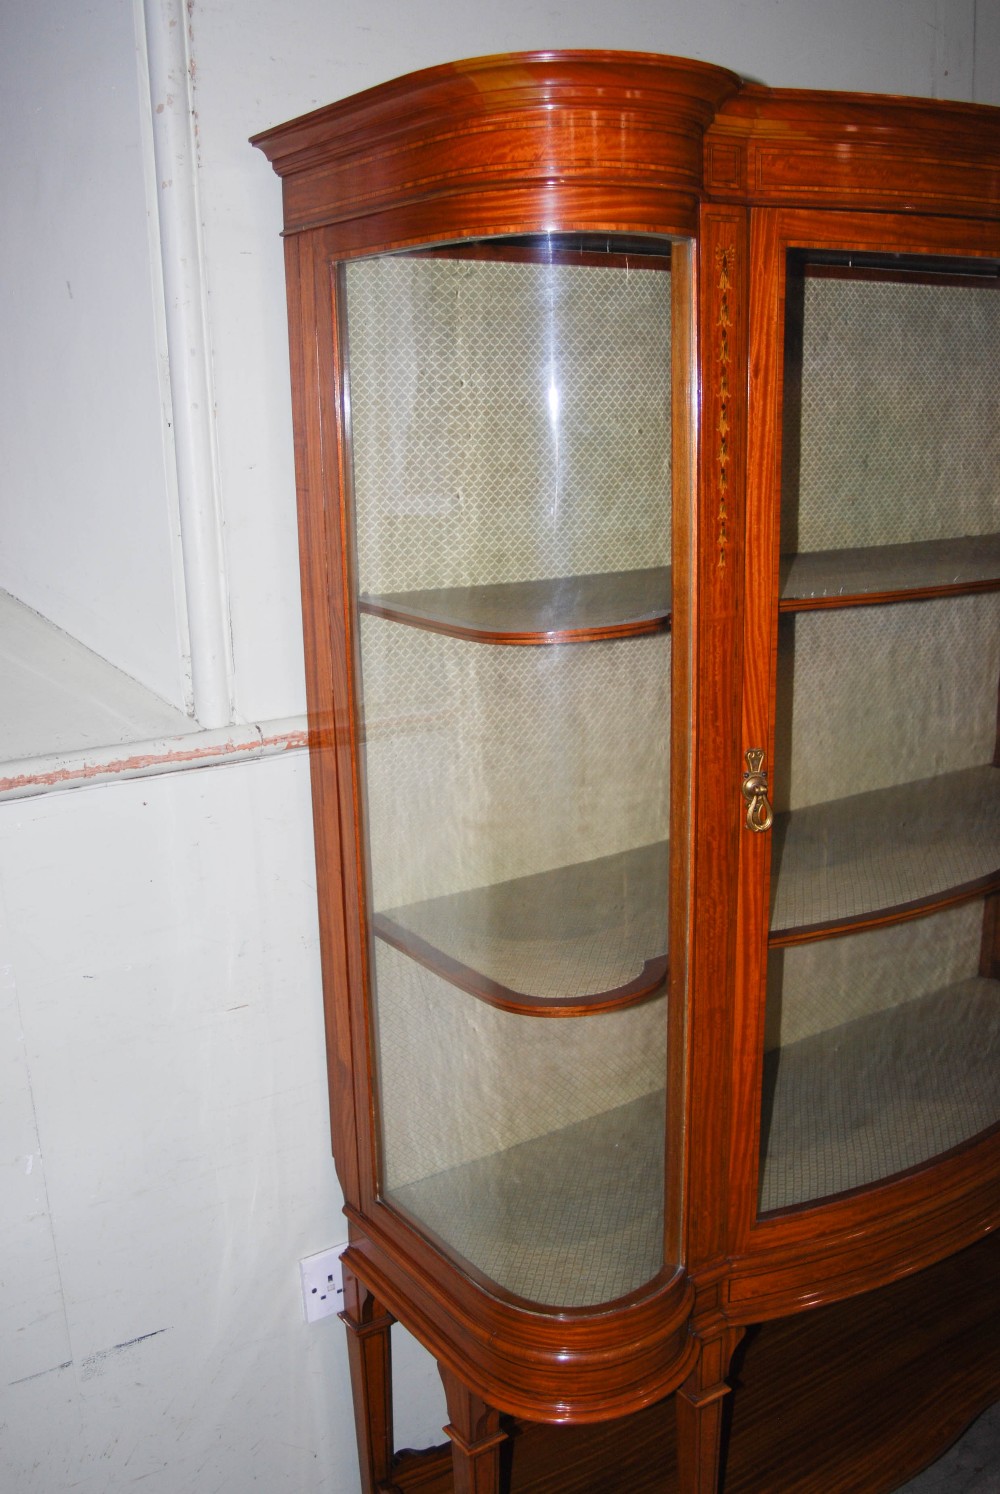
{"points": [[884, 1093], [573, 1218]]}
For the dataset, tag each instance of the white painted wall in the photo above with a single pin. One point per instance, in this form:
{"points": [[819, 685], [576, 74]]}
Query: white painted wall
{"points": [[162, 1101], [87, 515]]}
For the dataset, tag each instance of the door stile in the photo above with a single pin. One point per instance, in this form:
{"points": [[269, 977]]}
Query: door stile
{"points": [[717, 669], [760, 639]]}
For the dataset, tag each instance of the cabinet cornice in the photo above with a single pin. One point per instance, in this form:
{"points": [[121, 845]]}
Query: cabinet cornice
{"points": [[787, 147]]}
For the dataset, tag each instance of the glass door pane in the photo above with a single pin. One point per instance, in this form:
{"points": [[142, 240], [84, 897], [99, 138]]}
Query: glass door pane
{"points": [[883, 1002], [511, 413]]}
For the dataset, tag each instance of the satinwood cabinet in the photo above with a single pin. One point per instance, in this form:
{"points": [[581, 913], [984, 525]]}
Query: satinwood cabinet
{"points": [[648, 456]]}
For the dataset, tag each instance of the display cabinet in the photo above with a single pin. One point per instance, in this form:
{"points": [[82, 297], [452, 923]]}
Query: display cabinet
{"points": [[648, 463]]}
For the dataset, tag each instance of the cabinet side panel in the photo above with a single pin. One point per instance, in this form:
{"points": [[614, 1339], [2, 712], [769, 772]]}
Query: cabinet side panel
{"points": [[320, 484]]}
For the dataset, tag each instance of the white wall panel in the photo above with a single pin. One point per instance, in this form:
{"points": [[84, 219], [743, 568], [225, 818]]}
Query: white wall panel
{"points": [[88, 519], [165, 1141]]}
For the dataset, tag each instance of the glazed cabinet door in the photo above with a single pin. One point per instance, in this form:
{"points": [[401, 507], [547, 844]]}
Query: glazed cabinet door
{"points": [[508, 412], [874, 595]]}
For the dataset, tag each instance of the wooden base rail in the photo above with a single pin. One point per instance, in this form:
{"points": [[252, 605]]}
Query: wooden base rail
{"points": [[808, 1411]]}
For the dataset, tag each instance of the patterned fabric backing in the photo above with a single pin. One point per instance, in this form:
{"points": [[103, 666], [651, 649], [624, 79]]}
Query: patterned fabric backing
{"points": [[486, 762], [900, 439], [886, 848], [460, 1080], [824, 984], [864, 1101], [572, 1219], [510, 421], [870, 697]]}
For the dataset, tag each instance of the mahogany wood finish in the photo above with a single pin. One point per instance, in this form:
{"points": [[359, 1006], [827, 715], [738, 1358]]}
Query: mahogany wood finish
{"points": [[504, 145], [476, 1437], [809, 1411], [700, 1405], [778, 147], [613, 146], [369, 1354]]}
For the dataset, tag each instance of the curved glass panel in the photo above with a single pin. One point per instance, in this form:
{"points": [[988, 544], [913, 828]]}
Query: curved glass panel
{"points": [[883, 1047], [510, 413]]}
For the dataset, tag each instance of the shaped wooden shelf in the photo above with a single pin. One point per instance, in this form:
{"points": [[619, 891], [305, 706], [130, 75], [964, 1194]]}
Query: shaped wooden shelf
{"points": [[883, 573], [885, 855], [562, 609], [591, 937], [570, 942]]}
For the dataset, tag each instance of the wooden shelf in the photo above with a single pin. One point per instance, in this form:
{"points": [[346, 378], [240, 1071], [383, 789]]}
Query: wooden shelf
{"points": [[591, 937], [883, 573], [888, 854], [577, 940], [562, 609], [570, 609], [559, 1219], [877, 1096]]}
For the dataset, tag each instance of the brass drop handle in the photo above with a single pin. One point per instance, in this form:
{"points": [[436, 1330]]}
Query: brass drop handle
{"points": [[754, 786]]}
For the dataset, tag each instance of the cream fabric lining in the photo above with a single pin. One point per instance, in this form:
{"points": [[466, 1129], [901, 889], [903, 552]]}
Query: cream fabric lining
{"points": [[573, 1218], [889, 1091], [460, 1080], [885, 848], [869, 697], [510, 421], [828, 982], [487, 762], [900, 439]]}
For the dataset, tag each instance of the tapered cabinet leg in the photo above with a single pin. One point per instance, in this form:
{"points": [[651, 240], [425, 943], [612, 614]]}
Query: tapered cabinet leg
{"points": [[699, 1409], [476, 1438], [370, 1356]]}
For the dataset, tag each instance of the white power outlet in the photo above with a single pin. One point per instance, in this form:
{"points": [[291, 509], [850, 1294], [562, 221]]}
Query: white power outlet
{"points": [[323, 1283]]}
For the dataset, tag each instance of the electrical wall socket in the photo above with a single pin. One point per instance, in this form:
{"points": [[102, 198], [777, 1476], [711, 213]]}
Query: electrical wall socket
{"points": [[323, 1283]]}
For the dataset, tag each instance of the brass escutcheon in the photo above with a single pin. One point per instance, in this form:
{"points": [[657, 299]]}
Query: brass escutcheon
{"points": [[754, 789]]}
